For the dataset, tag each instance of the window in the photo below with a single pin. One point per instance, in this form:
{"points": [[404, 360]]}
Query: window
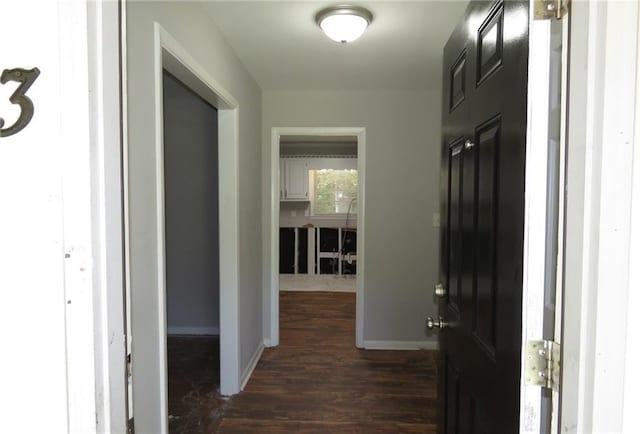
{"points": [[334, 191]]}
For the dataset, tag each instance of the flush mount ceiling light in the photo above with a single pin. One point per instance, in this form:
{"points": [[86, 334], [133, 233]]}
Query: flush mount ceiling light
{"points": [[344, 23]]}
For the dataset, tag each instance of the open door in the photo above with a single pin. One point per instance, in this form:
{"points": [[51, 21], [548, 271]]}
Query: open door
{"points": [[483, 208]]}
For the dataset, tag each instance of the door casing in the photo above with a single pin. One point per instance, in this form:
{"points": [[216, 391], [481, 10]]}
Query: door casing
{"points": [[600, 318], [544, 200], [169, 54], [272, 305]]}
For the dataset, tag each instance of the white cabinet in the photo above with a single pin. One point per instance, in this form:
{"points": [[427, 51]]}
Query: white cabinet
{"points": [[294, 179]]}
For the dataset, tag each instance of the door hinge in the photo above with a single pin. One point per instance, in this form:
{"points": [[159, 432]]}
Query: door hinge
{"points": [[550, 9], [542, 364], [131, 429], [129, 365]]}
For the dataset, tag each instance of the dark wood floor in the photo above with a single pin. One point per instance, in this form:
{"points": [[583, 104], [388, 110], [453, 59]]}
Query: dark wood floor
{"points": [[316, 381], [194, 378]]}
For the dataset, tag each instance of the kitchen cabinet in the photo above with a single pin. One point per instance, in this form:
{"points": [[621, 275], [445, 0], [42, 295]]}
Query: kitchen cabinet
{"points": [[294, 179]]}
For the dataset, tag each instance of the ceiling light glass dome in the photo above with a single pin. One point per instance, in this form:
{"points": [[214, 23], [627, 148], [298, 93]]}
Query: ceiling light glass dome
{"points": [[344, 23]]}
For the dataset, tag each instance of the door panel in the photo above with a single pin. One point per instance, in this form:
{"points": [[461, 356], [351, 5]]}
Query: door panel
{"points": [[490, 44], [458, 82], [455, 233], [487, 137], [484, 131], [453, 398]]}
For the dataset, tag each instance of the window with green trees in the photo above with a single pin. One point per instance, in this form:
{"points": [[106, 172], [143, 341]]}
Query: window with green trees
{"points": [[334, 191]]}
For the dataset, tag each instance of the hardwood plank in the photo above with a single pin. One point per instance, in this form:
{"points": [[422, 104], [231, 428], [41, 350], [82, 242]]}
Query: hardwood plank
{"points": [[317, 381]]}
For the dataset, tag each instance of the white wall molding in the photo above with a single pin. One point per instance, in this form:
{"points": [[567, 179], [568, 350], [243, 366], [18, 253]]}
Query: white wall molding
{"points": [[401, 345], [251, 366]]}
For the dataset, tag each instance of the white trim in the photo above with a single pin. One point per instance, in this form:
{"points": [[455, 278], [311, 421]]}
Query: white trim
{"points": [[361, 266], [630, 422], [193, 331], [251, 366], [274, 217], [538, 209], [612, 224], [125, 194], [108, 232], [160, 258], [401, 345], [604, 48], [82, 178], [171, 55]]}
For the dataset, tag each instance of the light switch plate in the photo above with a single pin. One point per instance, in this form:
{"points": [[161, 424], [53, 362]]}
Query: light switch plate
{"points": [[436, 219]]}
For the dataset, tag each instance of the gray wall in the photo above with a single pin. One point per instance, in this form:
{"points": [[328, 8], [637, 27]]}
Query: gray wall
{"points": [[402, 193], [191, 211], [189, 24]]}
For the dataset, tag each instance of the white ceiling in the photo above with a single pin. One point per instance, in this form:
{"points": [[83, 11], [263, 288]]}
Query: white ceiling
{"points": [[284, 49]]}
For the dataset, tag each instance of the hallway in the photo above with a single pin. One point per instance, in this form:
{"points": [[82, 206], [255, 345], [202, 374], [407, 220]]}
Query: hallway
{"points": [[316, 381]]}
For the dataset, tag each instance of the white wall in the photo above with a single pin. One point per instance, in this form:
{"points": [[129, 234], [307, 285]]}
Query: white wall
{"points": [[190, 26], [402, 188], [191, 211]]}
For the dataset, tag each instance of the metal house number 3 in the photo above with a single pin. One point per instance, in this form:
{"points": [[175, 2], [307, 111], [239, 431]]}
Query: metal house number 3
{"points": [[25, 77]]}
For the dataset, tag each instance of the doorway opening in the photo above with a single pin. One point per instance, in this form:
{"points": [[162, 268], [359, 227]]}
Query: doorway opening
{"points": [[192, 255], [317, 215], [150, 369]]}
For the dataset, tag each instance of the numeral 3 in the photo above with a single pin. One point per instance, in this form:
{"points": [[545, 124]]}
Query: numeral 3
{"points": [[25, 77]]}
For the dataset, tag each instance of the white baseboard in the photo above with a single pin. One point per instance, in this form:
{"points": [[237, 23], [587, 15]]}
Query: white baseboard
{"points": [[267, 343], [180, 330], [246, 374], [400, 345]]}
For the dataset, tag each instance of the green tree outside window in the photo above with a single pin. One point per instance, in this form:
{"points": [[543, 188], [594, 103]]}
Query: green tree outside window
{"points": [[334, 191]]}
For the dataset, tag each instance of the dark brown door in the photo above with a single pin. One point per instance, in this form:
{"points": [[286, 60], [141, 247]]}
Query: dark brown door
{"points": [[483, 162]]}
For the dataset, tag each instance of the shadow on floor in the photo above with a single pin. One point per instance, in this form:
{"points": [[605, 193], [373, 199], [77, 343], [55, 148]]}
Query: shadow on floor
{"points": [[194, 383]]}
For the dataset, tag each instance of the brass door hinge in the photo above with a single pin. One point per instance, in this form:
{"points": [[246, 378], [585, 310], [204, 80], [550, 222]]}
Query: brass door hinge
{"points": [[550, 9], [542, 364]]}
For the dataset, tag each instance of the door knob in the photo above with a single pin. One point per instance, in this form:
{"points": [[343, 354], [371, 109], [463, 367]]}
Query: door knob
{"points": [[469, 144], [439, 323], [439, 290]]}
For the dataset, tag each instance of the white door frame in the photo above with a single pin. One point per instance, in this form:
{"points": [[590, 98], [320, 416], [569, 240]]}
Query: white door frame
{"points": [[543, 203], [273, 337], [169, 54], [104, 38], [602, 302]]}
